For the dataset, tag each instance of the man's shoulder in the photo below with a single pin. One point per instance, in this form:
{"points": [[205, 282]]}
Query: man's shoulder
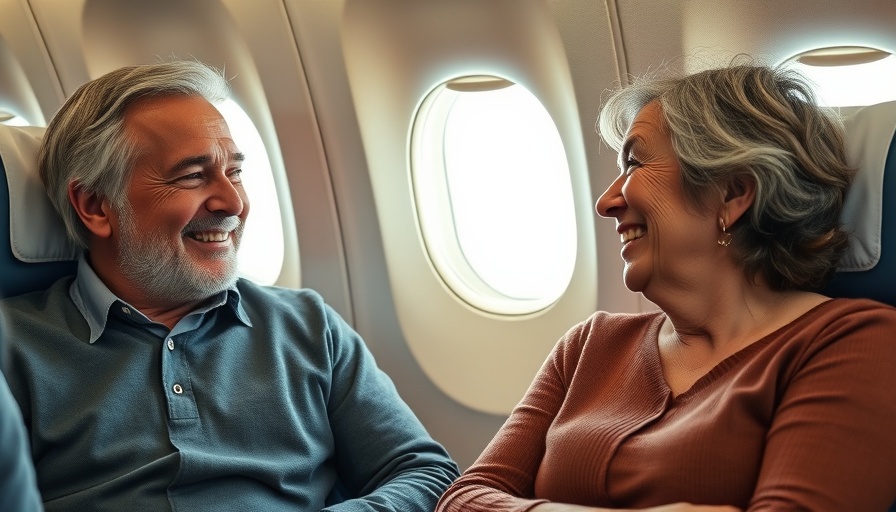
{"points": [[47, 299], [34, 316], [280, 301], [252, 291]]}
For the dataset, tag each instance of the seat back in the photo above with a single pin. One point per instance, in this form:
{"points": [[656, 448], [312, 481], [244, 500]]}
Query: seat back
{"points": [[869, 268], [35, 250]]}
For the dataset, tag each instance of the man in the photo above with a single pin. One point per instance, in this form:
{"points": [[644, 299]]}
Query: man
{"points": [[157, 380]]}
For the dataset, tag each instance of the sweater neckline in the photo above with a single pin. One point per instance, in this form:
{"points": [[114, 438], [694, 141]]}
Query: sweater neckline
{"points": [[651, 341]]}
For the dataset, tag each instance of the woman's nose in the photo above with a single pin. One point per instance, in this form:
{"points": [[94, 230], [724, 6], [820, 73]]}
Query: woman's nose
{"points": [[611, 202]]}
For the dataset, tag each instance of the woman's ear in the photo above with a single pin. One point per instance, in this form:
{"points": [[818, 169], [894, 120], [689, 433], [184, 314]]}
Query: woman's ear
{"points": [[739, 196], [93, 210]]}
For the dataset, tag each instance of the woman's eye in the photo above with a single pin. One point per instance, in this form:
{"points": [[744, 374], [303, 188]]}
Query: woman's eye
{"points": [[630, 165]]}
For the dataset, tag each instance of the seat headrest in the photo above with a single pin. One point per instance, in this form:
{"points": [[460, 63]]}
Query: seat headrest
{"points": [[35, 249], [36, 231], [869, 133], [868, 269]]}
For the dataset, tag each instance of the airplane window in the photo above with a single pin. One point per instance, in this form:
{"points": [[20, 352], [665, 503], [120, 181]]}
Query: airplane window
{"points": [[850, 76], [261, 250], [493, 195]]}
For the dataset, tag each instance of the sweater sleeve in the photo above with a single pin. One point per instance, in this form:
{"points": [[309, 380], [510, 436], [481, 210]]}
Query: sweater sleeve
{"points": [[831, 445], [503, 477], [385, 458]]}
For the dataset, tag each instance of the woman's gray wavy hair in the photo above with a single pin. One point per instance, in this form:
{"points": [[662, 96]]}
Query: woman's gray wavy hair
{"points": [[85, 143], [756, 122]]}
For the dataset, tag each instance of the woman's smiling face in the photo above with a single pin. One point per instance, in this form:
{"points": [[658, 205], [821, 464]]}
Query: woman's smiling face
{"points": [[665, 239]]}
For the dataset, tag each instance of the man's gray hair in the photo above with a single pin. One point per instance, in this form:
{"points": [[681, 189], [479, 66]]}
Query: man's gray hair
{"points": [[86, 143]]}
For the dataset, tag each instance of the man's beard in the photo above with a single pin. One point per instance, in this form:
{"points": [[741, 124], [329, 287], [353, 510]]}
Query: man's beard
{"points": [[165, 273]]}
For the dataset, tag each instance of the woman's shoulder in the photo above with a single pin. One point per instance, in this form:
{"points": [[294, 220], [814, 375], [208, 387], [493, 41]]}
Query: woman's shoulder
{"points": [[841, 322], [622, 320], [852, 309], [618, 328]]}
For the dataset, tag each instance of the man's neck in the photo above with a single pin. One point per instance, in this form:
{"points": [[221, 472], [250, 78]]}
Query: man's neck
{"points": [[164, 311]]}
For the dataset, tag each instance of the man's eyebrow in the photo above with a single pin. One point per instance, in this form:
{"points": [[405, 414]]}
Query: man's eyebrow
{"points": [[202, 161], [190, 161]]}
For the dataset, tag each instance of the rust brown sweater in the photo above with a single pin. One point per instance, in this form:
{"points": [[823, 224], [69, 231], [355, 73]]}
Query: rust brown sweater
{"points": [[803, 419]]}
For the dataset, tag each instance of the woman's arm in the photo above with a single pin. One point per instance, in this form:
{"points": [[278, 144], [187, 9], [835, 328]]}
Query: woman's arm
{"points": [[503, 477], [674, 507]]}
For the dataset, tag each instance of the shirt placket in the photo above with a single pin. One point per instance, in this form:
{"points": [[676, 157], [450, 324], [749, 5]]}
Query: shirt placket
{"points": [[176, 378]]}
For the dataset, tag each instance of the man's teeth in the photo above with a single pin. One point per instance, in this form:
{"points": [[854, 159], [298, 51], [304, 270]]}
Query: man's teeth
{"points": [[214, 236], [631, 234]]}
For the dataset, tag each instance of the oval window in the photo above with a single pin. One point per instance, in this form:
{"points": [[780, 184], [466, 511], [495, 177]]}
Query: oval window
{"points": [[261, 249], [493, 195]]}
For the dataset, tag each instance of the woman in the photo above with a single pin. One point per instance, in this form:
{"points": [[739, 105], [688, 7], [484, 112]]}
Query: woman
{"points": [[746, 390]]}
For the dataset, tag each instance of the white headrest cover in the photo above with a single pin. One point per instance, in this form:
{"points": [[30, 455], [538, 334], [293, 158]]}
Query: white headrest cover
{"points": [[36, 231], [869, 133]]}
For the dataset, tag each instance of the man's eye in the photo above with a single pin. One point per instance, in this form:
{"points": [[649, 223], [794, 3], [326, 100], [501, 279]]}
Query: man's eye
{"points": [[191, 176], [236, 175]]}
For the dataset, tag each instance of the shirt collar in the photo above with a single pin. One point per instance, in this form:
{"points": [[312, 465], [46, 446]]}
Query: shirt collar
{"points": [[94, 300]]}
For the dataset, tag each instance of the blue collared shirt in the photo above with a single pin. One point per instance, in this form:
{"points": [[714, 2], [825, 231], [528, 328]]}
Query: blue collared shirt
{"points": [[96, 302], [262, 399]]}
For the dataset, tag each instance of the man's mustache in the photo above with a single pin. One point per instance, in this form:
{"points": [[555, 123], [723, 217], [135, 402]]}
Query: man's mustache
{"points": [[226, 224]]}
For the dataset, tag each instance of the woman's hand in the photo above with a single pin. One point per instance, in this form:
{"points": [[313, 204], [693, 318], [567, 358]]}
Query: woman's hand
{"points": [[673, 507], [687, 507]]}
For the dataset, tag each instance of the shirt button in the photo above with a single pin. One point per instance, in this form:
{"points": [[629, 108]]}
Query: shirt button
{"points": [[170, 344], [177, 389], [126, 311]]}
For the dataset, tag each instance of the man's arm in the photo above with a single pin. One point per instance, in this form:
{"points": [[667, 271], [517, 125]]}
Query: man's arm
{"points": [[384, 455]]}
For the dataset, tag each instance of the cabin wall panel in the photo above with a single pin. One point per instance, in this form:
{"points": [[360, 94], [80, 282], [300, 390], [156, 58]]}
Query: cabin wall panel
{"points": [[369, 64], [29, 87], [698, 34]]}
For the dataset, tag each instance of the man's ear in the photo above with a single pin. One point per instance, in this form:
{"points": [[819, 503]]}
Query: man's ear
{"points": [[739, 196], [93, 210]]}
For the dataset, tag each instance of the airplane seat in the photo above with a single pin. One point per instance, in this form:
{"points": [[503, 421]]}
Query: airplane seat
{"points": [[35, 249], [868, 269]]}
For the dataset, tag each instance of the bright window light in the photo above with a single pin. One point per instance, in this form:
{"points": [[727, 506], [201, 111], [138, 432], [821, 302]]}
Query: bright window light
{"points": [[261, 250], [494, 195], [852, 85]]}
